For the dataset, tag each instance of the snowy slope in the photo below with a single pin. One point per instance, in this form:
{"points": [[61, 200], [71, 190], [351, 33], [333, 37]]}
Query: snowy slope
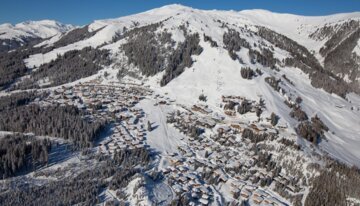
{"points": [[357, 48], [215, 74], [297, 27], [221, 76], [294, 26]]}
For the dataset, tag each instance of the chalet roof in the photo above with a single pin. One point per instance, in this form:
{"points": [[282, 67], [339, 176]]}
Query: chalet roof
{"points": [[177, 188], [224, 128], [196, 189], [259, 193], [258, 199], [205, 196], [203, 201], [204, 189], [182, 179], [245, 193], [191, 176], [194, 195]]}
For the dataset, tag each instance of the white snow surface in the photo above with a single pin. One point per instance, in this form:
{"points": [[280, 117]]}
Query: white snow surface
{"points": [[357, 49], [163, 138], [215, 74]]}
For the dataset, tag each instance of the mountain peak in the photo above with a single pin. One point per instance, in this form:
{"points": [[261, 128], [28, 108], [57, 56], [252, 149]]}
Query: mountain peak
{"points": [[176, 7]]}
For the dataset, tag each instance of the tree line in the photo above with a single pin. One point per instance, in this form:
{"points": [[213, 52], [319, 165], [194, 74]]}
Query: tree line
{"points": [[181, 57], [313, 130], [306, 61], [22, 153], [58, 121], [233, 43], [71, 66]]}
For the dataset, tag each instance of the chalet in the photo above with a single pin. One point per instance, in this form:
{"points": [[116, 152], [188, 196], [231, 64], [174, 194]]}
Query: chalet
{"points": [[231, 141], [291, 188], [122, 147], [194, 195], [204, 201], [182, 169], [139, 146], [223, 178], [235, 191], [205, 196], [255, 128], [218, 172], [236, 127], [257, 200], [231, 113], [217, 117], [191, 176], [223, 160], [127, 138], [245, 194], [201, 108], [223, 129], [177, 188], [269, 200], [206, 122], [196, 183], [204, 190], [259, 193], [226, 99]]}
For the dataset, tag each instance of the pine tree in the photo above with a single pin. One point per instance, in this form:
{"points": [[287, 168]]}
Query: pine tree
{"points": [[274, 119], [149, 127]]}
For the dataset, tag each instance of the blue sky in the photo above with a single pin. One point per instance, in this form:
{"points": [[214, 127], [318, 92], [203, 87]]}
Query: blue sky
{"points": [[80, 12]]}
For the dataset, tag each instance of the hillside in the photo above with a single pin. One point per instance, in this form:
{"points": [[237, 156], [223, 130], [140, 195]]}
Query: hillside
{"points": [[186, 106]]}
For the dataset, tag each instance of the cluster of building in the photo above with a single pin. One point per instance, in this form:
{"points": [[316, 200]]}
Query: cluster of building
{"points": [[114, 103], [183, 178], [215, 154], [219, 155]]}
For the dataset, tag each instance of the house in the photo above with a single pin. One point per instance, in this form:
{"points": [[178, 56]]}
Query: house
{"points": [[258, 200], [259, 193], [231, 113], [177, 188], [205, 196], [204, 201], [223, 129], [245, 193], [185, 188], [194, 195], [182, 179], [223, 178], [269, 200], [206, 122], [291, 188], [204, 190], [235, 191], [236, 127]]}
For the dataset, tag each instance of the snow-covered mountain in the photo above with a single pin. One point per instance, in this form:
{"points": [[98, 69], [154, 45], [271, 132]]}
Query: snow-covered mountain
{"points": [[34, 29], [227, 87], [20, 34]]}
